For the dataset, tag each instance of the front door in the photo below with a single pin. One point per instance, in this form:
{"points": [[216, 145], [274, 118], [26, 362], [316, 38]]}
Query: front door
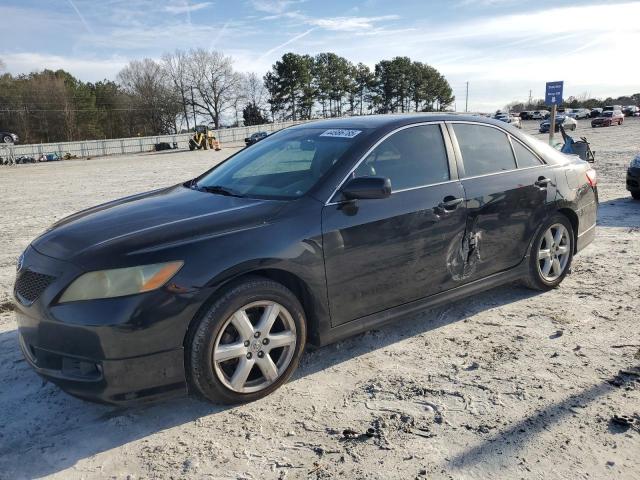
{"points": [[385, 252]]}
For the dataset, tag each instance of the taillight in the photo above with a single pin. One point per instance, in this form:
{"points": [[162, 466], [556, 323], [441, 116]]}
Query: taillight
{"points": [[591, 177]]}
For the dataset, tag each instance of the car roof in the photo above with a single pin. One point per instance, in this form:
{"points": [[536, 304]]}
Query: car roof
{"points": [[394, 120]]}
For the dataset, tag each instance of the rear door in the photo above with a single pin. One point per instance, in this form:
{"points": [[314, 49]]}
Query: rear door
{"points": [[507, 188], [381, 253]]}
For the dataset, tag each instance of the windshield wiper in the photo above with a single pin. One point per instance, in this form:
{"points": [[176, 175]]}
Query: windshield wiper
{"points": [[218, 189]]}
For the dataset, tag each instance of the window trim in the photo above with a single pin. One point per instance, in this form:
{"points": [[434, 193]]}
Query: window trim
{"points": [[449, 152], [512, 139], [460, 161]]}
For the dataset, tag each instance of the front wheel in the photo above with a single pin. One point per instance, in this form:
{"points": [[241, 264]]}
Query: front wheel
{"points": [[551, 254], [248, 343], [7, 139]]}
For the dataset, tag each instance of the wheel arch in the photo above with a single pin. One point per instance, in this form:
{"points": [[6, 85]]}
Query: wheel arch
{"points": [[575, 223], [291, 281]]}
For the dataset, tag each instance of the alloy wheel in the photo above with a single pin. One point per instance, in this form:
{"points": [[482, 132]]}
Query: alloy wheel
{"points": [[254, 347], [554, 252]]}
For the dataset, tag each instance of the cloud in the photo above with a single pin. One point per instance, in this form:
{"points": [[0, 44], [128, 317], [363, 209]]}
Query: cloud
{"points": [[185, 6], [82, 19], [349, 24], [282, 45], [88, 69], [274, 6], [483, 3]]}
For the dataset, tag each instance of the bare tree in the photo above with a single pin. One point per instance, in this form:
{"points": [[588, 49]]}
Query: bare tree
{"points": [[156, 102], [217, 84], [255, 92], [176, 66]]}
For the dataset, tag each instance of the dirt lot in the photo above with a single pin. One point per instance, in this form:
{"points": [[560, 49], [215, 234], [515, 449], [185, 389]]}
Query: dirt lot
{"points": [[507, 384]]}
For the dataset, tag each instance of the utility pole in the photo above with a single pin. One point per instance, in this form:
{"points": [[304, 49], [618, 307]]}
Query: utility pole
{"points": [[529, 104], [552, 127], [193, 107], [466, 101]]}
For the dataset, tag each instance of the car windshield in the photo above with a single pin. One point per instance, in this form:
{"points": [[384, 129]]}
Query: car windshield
{"points": [[607, 114], [284, 165]]}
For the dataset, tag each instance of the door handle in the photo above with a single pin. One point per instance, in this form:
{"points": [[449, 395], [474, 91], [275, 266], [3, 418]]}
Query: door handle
{"points": [[542, 182], [450, 203]]}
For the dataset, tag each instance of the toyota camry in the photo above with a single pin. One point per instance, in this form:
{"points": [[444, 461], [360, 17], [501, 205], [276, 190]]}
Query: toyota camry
{"points": [[318, 232]]}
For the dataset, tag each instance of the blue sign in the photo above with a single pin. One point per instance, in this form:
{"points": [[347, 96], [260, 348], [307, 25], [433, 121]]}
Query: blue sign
{"points": [[553, 93]]}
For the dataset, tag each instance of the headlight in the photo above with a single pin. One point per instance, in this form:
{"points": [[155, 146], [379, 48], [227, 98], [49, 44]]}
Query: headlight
{"points": [[635, 163], [120, 281]]}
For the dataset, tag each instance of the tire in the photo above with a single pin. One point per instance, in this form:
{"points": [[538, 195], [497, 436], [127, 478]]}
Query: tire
{"points": [[215, 334], [8, 139], [537, 279], [636, 194]]}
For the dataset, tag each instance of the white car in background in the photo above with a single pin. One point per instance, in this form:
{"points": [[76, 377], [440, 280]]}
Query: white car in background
{"points": [[579, 113], [540, 115], [508, 118]]}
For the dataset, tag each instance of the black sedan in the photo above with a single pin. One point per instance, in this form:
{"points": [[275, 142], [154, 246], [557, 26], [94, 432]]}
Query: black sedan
{"points": [[314, 234], [8, 137], [255, 138]]}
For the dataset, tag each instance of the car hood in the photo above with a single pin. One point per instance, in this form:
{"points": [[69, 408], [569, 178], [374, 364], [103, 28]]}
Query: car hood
{"points": [[150, 220]]}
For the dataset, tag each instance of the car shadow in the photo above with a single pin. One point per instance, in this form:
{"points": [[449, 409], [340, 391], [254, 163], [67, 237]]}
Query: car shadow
{"points": [[44, 431], [507, 442], [619, 212]]}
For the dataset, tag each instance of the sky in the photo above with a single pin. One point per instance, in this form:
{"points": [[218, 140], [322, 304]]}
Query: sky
{"points": [[505, 49]]}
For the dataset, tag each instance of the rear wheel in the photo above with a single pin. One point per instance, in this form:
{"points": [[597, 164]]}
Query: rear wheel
{"points": [[248, 343], [551, 254], [636, 194]]}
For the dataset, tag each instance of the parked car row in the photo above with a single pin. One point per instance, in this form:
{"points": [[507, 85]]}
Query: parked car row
{"points": [[535, 115], [580, 113]]}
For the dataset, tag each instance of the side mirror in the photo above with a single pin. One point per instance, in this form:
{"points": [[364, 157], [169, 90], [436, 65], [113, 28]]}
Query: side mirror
{"points": [[367, 188]]}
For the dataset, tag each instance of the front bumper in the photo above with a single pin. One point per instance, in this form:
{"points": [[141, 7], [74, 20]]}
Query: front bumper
{"points": [[114, 350], [120, 381], [633, 179]]}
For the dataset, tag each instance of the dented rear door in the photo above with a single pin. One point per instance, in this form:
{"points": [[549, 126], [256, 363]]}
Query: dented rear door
{"points": [[505, 203]]}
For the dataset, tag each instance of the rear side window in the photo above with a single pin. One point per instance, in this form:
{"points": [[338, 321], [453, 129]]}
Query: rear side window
{"points": [[524, 156], [484, 149], [412, 157]]}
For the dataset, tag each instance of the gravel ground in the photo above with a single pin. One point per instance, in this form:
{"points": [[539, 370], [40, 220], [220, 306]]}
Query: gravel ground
{"points": [[508, 383]]}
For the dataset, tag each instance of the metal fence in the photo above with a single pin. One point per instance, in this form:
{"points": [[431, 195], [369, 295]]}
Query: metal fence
{"points": [[122, 146]]}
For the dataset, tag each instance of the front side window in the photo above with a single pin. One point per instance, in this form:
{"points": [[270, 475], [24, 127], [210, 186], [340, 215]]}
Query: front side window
{"points": [[484, 149], [412, 157], [284, 165]]}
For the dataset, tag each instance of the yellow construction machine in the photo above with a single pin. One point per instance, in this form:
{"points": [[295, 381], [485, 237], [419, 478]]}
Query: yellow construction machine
{"points": [[203, 138]]}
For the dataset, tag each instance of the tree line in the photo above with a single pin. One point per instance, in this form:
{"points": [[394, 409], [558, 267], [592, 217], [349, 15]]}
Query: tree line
{"points": [[169, 95]]}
